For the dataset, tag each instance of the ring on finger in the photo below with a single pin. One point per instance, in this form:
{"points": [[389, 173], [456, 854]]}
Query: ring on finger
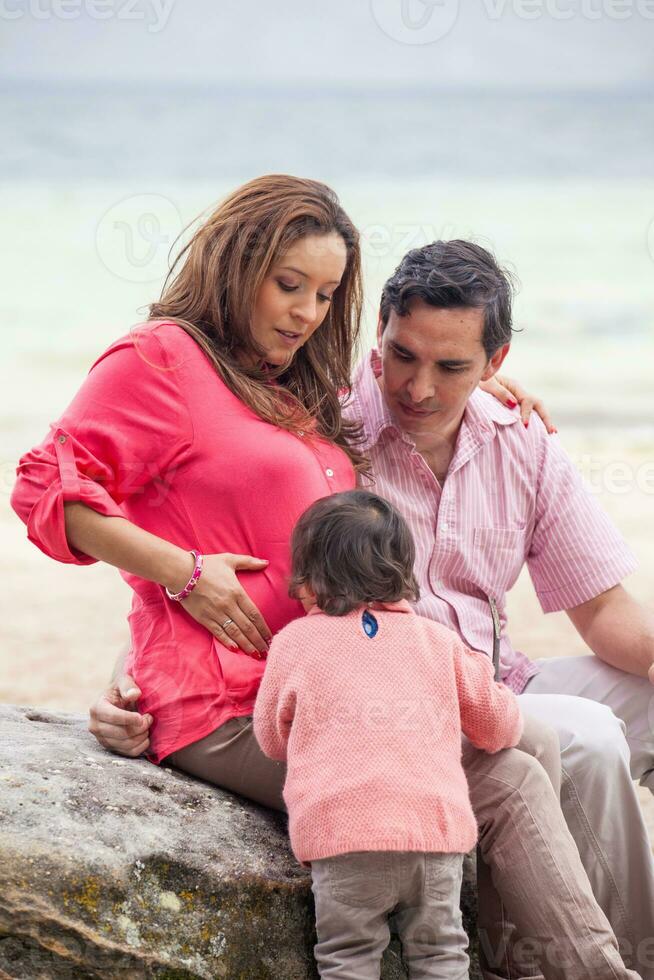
{"points": [[226, 624]]}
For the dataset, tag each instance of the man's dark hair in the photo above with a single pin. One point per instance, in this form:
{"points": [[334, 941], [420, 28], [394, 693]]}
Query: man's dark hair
{"points": [[454, 274], [353, 549]]}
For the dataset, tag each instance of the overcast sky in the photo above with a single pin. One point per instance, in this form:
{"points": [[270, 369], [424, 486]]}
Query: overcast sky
{"points": [[534, 44]]}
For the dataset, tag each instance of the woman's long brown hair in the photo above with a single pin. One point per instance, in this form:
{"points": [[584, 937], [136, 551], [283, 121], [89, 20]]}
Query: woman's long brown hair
{"points": [[212, 287]]}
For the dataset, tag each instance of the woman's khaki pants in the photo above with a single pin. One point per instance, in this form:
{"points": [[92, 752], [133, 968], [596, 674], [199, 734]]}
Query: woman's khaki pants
{"points": [[530, 865]]}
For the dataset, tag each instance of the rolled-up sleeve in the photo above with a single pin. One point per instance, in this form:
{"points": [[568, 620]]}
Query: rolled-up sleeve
{"points": [[576, 552], [126, 427]]}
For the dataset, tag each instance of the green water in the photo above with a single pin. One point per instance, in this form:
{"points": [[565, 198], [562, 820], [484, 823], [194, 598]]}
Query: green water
{"points": [[79, 262]]}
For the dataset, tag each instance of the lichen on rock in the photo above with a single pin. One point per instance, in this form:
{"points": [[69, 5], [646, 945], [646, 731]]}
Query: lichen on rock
{"points": [[115, 868]]}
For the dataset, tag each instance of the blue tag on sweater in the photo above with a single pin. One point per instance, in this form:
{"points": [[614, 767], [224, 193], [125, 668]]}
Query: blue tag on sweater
{"points": [[370, 625]]}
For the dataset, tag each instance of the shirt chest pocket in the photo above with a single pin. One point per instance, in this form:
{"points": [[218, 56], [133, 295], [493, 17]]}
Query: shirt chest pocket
{"points": [[498, 556]]}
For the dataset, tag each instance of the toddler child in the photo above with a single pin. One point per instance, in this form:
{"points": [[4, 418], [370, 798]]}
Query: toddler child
{"points": [[366, 701]]}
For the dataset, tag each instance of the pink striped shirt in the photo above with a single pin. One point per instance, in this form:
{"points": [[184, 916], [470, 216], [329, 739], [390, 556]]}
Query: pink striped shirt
{"points": [[511, 496]]}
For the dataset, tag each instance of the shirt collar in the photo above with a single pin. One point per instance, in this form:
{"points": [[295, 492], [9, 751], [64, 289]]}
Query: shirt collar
{"points": [[402, 606], [374, 414], [482, 413], [483, 408]]}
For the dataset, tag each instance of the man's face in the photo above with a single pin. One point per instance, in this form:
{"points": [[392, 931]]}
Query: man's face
{"points": [[432, 360]]}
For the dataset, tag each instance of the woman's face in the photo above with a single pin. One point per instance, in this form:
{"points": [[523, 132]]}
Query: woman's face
{"points": [[295, 295]]}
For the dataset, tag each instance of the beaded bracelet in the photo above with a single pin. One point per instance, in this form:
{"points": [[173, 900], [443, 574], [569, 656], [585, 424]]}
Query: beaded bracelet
{"points": [[192, 582]]}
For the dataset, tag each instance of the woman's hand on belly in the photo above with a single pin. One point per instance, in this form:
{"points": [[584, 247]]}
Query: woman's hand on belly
{"points": [[220, 603]]}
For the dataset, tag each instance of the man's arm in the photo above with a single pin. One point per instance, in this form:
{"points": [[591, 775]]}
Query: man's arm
{"points": [[619, 630]]}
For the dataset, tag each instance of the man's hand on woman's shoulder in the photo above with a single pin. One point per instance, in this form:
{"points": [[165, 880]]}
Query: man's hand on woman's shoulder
{"points": [[116, 723]]}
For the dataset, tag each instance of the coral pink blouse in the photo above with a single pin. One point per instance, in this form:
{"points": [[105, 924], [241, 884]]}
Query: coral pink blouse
{"points": [[156, 437]]}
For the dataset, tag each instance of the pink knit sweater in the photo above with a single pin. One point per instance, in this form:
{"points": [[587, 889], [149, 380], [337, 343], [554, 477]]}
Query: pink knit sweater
{"points": [[371, 730]]}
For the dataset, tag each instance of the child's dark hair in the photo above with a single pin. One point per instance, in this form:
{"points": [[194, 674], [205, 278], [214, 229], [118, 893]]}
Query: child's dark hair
{"points": [[353, 549]]}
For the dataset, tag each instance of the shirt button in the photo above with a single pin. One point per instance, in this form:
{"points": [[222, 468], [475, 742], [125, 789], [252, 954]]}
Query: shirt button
{"points": [[445, 526], [329, 472], [62, 438]]}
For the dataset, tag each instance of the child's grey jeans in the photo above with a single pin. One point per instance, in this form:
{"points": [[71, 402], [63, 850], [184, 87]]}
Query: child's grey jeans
{"points": [[354, 896]]}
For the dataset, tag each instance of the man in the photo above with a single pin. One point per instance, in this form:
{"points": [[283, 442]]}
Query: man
{"points": [[483, 494]]}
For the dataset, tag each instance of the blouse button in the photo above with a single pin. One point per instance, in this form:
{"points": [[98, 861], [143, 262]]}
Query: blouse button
{"points": [[329, 472], [62, 438]]}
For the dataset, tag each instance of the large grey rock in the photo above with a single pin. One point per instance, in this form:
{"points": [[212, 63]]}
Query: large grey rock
{"points": [[114, 868]]}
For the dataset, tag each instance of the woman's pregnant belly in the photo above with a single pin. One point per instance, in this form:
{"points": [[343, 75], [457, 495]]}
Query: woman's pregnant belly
{"points": [[189, 681]]}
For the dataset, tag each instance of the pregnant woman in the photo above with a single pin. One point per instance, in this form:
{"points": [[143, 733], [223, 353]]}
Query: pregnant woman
{"points": [[187, 456]]}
